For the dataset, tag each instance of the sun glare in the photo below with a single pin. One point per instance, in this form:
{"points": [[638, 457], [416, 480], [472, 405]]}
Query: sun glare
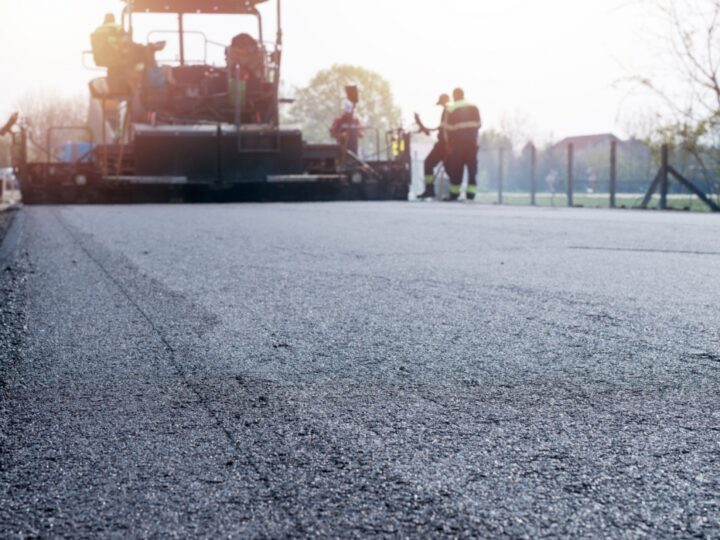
{"points": [[556, 62]]}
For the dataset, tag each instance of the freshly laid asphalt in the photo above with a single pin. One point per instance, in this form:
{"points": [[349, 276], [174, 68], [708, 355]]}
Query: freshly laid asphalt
{"points": [[352, 370]]}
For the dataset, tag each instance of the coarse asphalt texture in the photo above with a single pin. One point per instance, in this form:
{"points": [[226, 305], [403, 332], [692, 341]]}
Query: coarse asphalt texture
{"points": [[360, 369]]}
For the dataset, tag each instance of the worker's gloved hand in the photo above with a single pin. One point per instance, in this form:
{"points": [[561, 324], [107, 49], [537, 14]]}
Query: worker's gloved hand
{"points": [[158, 46], [420, 125]]}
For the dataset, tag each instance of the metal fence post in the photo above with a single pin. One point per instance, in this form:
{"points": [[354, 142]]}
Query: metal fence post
{"points": [[533, 175], [218, 157], [501, 172], [613, 174], [664, 180], [570, 179]]}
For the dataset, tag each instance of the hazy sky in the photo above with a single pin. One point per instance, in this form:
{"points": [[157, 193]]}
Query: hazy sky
{"points": [[553, 61]]}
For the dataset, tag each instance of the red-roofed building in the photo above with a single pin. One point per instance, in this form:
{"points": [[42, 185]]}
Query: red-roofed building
{"points": [[588, 142], [635, 163]]}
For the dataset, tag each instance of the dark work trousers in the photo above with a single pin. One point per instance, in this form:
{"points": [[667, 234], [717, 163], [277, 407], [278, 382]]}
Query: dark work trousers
{"points": [[462, 156], [435, 158]]}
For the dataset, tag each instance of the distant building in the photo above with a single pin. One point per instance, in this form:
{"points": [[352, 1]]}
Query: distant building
{"points": [[587, 142], [635, 163]]}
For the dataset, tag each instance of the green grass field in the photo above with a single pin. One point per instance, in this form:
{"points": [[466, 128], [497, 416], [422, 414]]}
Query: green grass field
{"points": [[623, 200]]}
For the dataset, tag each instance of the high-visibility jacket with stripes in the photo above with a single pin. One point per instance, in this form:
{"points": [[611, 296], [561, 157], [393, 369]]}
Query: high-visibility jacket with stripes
{"points": [[462, 123], [110, 28], [106, 35]]}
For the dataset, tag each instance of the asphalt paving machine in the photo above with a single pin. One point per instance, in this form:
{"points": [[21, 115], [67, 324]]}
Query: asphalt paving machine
{"points": [[192, 130]]}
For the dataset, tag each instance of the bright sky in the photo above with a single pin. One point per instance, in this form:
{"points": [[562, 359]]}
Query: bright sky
{"points": [[553, 61]]}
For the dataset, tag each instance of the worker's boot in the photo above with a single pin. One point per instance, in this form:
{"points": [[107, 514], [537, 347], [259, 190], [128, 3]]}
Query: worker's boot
{"points": [[429, 192], [470, 196], [454, 193]]}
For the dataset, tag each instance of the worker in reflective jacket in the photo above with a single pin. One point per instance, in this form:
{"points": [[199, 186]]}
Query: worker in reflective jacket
{"points": [[437, 154], [107, 40], [110, 26], [462, 124], [113, 47], [347, 130]]}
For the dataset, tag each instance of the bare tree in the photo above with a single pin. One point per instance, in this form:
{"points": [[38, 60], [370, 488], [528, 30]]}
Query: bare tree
{"points": [[42, 110], [691, 92], [519, 128]]}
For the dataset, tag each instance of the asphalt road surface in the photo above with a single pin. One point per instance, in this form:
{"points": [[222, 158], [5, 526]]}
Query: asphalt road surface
{"points": [[353, 370]]}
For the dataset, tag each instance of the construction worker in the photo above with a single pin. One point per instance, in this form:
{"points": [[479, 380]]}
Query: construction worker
{"points": [[347, 129], [110, 25], [125, 60], [462, 124], [107, 41], [112, 46], [437, 154]]}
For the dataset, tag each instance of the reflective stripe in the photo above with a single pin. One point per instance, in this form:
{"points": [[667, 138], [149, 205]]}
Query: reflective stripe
{"points": [[461, 117], [109, 27], [463, 125], [429, 179], [455, 189], [452, 107], [472, 189]]}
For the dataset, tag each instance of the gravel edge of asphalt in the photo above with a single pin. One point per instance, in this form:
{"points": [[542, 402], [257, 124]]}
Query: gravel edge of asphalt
{"points": [[14, 267], [6, 218]]}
